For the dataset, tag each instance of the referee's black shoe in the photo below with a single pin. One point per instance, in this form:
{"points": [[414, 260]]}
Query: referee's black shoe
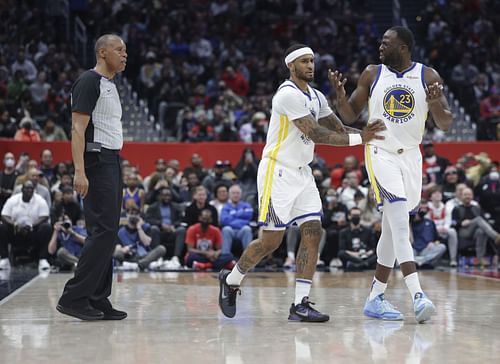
{"points": [[87, 313], [107, 309], [227, 295]]}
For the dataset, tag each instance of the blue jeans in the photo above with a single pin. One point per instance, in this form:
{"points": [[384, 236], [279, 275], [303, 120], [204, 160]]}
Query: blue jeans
{"points": [[218, 263], [228, 234], [430, 254]]}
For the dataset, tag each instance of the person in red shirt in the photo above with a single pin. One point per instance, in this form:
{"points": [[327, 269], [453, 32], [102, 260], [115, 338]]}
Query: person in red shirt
{"points": [[235, 81], [26, 132], [204, 242]]}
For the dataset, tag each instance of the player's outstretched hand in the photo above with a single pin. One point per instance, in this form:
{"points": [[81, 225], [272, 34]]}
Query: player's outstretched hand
{"points": [[337, 82], [434, 92], [370, 131]]}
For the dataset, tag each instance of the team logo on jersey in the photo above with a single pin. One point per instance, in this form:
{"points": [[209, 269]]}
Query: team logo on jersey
{"points": [[305, 139], [399, 103]]}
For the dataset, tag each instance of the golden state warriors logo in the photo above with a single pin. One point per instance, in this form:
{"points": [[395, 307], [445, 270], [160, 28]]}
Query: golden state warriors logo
{"points": [[399, 103]]}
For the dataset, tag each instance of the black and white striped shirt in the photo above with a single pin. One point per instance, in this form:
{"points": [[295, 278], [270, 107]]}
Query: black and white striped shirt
{"points": [[97, 96]]}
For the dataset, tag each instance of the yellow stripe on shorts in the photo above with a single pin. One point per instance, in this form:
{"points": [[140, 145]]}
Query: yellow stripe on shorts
{"points": [[268, 180], [371, 174]]}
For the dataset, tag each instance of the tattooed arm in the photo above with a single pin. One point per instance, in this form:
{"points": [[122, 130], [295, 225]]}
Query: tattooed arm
{"points": [[321, 135], [332, 122]]}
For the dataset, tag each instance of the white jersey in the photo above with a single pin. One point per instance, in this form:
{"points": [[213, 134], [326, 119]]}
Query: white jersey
{"points": [[399, 100], [285, 143]]}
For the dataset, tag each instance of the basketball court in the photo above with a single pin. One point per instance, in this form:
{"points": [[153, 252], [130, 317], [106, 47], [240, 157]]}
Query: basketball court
{"points": [[174, 318]]}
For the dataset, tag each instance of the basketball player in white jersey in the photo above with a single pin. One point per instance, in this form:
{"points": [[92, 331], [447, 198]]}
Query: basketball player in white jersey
{"points": [[300, 118], [401, 93]]}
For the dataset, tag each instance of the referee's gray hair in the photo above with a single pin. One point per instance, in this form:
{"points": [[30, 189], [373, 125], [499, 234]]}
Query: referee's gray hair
{"points": [[103, 41]]}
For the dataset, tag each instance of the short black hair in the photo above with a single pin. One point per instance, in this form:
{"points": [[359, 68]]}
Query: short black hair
{"points": [[294, 47], [405, 35]]}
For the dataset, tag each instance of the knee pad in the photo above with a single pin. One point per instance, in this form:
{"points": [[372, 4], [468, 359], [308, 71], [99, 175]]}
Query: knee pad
{"points": [[385, 251]]}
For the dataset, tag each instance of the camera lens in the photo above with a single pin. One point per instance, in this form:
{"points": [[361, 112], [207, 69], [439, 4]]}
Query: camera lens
{"points": [[66, 225]]}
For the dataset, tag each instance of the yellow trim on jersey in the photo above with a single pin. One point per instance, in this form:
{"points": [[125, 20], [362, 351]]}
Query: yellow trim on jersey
{"points": [[268, 180], [371, 174]]}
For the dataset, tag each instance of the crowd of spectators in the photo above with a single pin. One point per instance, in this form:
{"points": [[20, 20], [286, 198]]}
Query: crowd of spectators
{"points": [[460, 39], [208, 69], [203, 218], [37, 68]]}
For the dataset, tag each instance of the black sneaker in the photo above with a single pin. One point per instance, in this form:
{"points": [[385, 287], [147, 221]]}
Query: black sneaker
{"points": [[305, 313], [227, 295], [107, 309], [87, 313]]}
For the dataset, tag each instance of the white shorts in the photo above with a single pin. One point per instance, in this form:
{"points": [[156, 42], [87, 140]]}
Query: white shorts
{"points": [[395, 176], [286, 195]]}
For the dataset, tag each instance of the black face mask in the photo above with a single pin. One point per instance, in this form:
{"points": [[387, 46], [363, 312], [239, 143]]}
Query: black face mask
{"points": [[204, 225], [422, 214], [355, 220]]}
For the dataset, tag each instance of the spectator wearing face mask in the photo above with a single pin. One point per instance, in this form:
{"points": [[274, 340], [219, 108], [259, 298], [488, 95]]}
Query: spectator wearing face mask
{"points": [[139, 245], [204, 242], [424, 237], [488, 194], [26, 133], [356, 244], [7, 178], [334, 220]]}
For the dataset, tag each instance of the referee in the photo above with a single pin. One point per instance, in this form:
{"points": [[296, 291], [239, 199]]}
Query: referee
{"points": [[95, 144]]}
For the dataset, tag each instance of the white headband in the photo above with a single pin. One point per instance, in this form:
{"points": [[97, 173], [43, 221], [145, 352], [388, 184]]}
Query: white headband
{"points": [[298, 53]]}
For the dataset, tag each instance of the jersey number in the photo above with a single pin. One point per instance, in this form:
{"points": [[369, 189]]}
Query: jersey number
{"points": [[405, 99]]}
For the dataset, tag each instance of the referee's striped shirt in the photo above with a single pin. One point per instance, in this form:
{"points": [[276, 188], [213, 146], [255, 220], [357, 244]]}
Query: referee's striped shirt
{"points": [[97, 96]]}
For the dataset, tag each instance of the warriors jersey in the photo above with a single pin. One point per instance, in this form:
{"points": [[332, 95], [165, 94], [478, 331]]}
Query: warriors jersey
{"points": [[285, 142], [399, 100]]}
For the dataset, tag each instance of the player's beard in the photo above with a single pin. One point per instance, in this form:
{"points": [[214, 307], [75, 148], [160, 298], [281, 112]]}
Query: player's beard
{"points": [[304, 77], [393, 60]]}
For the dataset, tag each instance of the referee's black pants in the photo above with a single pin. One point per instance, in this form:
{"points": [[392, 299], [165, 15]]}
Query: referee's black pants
{"points": [[94, 272]]}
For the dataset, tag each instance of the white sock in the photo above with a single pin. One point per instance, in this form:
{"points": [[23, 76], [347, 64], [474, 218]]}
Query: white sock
{"points": [[413, 284], [377, 288], [291, 255], [302, 288], [235, 277]]}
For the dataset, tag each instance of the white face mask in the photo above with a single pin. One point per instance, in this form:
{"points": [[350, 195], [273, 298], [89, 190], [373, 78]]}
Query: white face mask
{"points": [[494, 175], [9, 162]]}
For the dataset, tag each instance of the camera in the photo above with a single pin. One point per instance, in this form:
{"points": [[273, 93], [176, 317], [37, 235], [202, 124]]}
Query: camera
{"points": [[66, 225], [133, 220]]}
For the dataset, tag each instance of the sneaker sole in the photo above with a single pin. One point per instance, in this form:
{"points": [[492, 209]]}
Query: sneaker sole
{"points": [[297, 318], [114, 317], [222, 278], [425, 314], [78, 315], [380, 317]]}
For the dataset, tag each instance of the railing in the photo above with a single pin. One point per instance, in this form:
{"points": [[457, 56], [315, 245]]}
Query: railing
{"points": [[81, 41]]}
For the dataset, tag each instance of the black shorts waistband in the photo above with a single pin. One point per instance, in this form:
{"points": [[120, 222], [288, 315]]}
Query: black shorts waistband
{"points": [[110, 151]]}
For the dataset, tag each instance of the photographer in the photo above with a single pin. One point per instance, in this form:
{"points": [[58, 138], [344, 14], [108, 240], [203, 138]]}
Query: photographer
{"points": [[25, 223], [356, 244], [139, 243], [67, 241]]}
